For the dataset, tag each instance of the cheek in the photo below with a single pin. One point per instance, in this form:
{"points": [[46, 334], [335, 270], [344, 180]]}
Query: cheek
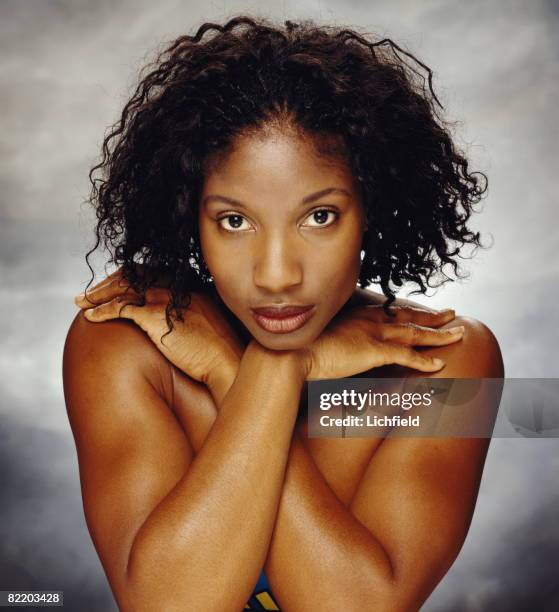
{"points": [[230, 278], [212, 250], [344, 265], [340, 276], [225, 275]]}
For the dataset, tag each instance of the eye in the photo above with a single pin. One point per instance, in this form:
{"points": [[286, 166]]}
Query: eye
{"points": [[234, 222], [321, 217]]}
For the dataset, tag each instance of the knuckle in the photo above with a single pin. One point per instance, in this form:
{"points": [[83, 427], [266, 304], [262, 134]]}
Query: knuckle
{"points": [[389, 349], [416, 358], [381, 333], [396, 311], [124, 286], [130, 309], [384, 353], [413, 331]]}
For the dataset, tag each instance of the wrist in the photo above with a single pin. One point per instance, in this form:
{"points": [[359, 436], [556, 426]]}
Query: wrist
{"points": [[221, 378], [305, 356], [292, 360]]}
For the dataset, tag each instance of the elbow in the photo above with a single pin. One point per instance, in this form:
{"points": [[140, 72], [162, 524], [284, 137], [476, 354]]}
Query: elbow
{"points": [[373, 590], [151, 585], [389, 589], [144, 588], [388, 599], [402, 591], [141, 588], [131, 593]]}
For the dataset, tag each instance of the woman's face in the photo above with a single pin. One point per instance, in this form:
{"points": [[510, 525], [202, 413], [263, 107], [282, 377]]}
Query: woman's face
{"points": [[280, 225]]}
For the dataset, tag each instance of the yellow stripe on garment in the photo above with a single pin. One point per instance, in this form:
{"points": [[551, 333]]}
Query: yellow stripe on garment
{"points": [[265, 599]]}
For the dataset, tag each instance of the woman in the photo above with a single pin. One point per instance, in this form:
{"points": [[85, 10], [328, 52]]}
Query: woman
{"points": [[256, 177]]}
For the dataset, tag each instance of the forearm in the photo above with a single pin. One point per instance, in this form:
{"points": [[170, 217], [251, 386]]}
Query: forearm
{"points": [[311, 518], [221, 379], [207, 540], [316, 540]]}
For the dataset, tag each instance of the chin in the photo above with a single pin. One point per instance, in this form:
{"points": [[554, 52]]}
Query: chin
{"points": [[283, 342]]}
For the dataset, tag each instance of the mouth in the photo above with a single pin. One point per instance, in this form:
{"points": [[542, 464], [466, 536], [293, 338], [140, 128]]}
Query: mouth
{"points": [[284, 319]]}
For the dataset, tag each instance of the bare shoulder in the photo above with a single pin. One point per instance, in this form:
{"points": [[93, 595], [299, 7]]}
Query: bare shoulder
{"points": [[477, 355], [122, 355], [130, 447], [437, 478], [116, 346]]}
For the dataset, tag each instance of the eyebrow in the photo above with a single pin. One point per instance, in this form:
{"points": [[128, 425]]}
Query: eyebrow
{"points": [[306, 200]]}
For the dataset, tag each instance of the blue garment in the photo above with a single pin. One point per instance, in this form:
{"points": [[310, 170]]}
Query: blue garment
{"points": [[262, 598]]}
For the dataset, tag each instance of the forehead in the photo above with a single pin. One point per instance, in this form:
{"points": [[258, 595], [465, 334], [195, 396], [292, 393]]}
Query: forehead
{"points": [[280, 160]]}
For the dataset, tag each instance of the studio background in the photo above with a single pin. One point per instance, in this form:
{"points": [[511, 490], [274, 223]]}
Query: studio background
{"points": [[66, 69]]}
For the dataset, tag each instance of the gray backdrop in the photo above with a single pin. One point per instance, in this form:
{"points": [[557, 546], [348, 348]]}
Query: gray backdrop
{"points": [[65, 71]]}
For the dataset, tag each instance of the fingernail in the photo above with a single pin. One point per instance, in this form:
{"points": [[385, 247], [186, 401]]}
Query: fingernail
{"points": [[79, 297], [459, 329], [447, 311], [88, 312], [438, 363]]}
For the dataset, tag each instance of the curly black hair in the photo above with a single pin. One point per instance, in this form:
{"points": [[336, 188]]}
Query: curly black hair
{"points": [[240, 77]]}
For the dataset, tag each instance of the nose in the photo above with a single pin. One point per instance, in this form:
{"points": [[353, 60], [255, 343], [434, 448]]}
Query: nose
{"points": [[277, 266]]}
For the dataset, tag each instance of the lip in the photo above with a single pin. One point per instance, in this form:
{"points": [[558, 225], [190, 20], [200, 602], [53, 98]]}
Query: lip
{"points": [[282, 319], [280, 312]]}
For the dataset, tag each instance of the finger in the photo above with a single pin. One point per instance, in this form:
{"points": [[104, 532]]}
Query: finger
{"points": [[83, 298], [117, 274], [418, 335], [407, 357], [119, 307], [105, 291], [408, 314], [420, 316]]}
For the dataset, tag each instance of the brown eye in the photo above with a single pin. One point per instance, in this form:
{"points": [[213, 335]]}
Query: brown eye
{"points": [[232, 223], [323, 217]]}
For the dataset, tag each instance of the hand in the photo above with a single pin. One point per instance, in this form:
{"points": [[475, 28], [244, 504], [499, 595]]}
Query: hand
{"points": [[365, 337], [203, 345]]}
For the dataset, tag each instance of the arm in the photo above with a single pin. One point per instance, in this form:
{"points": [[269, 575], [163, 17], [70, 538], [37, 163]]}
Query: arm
{"points": [[317, 544], [210, 508], [338, 561], [333, 347], [321, 557], [381, 551], [158, 517]]}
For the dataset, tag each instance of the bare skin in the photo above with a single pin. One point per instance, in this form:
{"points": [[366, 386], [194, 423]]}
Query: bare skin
{"points": [[170, 451]]}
